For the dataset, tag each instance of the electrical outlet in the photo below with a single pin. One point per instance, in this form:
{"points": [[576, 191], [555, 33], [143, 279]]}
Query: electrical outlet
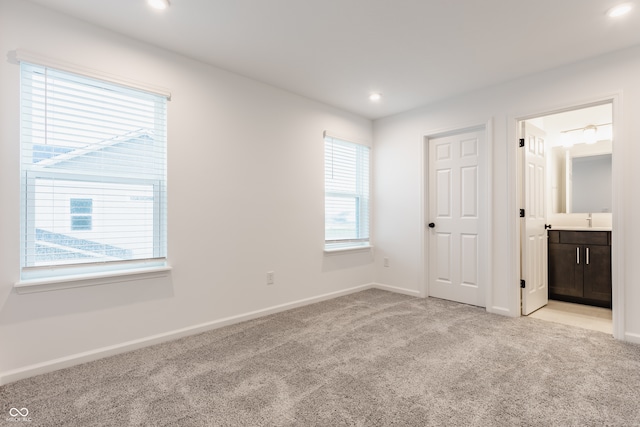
{"points": [[271, 279], [386, 262]]}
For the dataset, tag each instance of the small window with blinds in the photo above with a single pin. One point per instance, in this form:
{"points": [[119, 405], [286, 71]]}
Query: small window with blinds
{"points": [[93, 164], [346, 199]]}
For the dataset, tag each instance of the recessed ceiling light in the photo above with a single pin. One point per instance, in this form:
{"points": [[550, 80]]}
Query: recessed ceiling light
{"points": [[620, 10], [158, 4], [375, 97]]}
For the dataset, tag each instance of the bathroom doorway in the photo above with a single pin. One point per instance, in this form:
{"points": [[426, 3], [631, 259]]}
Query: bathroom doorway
{"points": [[566, 193]]}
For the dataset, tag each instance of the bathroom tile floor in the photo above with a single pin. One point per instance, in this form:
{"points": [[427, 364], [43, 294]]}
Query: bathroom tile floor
{"points": [[583, 316]]}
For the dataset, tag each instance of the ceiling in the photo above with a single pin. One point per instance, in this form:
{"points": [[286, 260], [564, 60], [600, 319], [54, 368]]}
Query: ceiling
{"points": [[414, 52]]}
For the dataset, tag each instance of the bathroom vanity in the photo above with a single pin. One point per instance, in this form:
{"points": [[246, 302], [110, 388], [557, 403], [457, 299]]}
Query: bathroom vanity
{"points": [[580, 266]]}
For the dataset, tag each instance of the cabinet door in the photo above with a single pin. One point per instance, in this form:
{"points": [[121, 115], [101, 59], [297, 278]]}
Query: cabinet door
{"points": [[565, 270], [597, 273]]}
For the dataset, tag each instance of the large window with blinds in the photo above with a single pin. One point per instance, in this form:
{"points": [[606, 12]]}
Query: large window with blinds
{"points": [[346, 200], [93, 165]]}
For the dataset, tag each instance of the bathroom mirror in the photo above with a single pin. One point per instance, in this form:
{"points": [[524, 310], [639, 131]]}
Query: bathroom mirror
{"points": [[581, 178]]}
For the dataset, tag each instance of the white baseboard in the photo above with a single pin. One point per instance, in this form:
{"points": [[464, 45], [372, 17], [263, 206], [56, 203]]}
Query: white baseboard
{"points": [[396, 289], [502, 311], [632, 338], [89, 356]]}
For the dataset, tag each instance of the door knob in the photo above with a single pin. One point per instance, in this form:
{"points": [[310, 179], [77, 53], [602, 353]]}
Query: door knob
{"points": [[431, 225]]}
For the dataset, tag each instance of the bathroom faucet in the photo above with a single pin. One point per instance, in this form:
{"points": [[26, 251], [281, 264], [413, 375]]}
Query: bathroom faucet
{"points": [[590, 220]]}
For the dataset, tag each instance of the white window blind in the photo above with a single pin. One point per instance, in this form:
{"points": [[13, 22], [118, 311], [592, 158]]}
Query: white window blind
{"points": [[346, 194], [93, 165]]}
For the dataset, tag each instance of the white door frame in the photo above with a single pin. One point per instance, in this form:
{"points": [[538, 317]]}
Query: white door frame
{"points": [[513, 196], [485, 271]]}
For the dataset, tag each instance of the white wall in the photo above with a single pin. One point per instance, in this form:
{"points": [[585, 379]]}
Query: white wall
{"points": [[245, 179], [398, 170]]}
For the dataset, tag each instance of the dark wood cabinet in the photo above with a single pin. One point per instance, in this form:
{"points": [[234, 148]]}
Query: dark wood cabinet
{"points": [[580, 266]]}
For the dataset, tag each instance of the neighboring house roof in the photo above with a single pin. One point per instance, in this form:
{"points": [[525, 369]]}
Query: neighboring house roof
{"points": [[52, 155], [56, 242], [50, 249]]}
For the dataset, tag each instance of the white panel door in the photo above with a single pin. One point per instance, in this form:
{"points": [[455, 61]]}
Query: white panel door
{"points": [[534, 234], [455, 205]]}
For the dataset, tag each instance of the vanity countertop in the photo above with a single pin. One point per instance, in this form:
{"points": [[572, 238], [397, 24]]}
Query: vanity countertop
{"points": [[578, 228]]}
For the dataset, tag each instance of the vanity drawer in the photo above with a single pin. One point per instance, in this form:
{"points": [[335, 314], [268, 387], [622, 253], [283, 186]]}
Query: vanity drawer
{"points": [[582, 237]]}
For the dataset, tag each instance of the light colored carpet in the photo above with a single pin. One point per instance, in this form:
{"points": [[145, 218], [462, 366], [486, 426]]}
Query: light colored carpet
{"points": [[369, 359]]}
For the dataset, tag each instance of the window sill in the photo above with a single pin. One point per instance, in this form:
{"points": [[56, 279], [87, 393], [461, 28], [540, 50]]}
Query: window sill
{"points": [[83, 280], [351, 249]]}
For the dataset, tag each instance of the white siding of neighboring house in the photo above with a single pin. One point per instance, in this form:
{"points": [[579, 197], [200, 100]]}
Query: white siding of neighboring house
{"points": [[121, 217]]}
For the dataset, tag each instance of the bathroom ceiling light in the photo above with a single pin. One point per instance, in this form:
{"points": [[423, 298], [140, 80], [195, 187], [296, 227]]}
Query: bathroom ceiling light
{"points": [[589, 134], [375, 97], [619, 10], [158, 4]]}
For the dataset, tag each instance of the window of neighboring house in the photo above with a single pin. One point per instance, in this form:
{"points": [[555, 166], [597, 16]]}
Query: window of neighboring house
{"points": [[81, 210], [96, 151], [346, 184]]}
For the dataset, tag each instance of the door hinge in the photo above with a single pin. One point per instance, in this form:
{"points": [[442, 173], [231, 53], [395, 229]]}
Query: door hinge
{"points": [[521, 213], [522, 283], [521, 142]]}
